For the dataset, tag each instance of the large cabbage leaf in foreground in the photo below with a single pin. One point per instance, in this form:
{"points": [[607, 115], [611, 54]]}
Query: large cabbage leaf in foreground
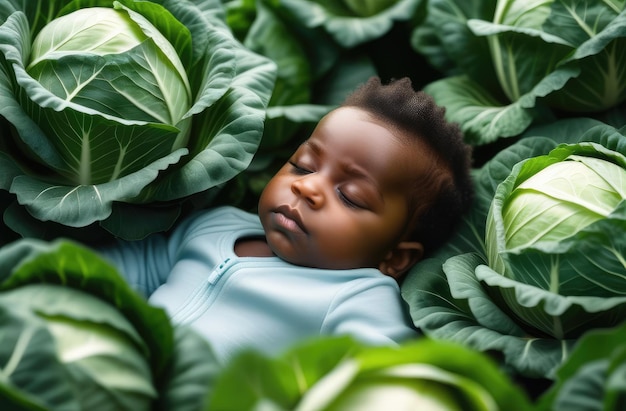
{"points": [[511, 63], [338, 373], [76, 337], [119, 112], [540, 259]]}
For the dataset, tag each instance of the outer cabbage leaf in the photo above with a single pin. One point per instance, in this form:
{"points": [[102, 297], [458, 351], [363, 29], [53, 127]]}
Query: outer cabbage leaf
{"points": [[231, 88], [484, 119], [543, 312], [602, 80], [561, 287], [190, 378], [449, 302], [444, 38], [351, 23], [593, 376]]}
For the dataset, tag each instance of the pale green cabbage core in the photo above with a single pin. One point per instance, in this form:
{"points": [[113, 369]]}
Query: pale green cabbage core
{"points": [[150, 78], [561, 200], [97, 30], [406, 386], [106, 358]]}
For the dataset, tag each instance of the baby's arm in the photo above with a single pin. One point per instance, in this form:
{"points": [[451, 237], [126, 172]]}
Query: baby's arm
{"points": [[145, 264], [372, 311]]}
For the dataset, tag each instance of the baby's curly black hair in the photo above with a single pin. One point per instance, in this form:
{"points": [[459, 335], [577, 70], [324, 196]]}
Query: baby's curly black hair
{"points": [[444, 194]]}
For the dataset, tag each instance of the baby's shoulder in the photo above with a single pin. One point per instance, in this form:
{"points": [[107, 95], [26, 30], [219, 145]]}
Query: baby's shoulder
{"points": [[223, 216], [223, 219]]}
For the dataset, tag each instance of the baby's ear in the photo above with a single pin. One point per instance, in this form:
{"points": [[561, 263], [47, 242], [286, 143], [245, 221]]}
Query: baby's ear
{"points": [[399, 260]]}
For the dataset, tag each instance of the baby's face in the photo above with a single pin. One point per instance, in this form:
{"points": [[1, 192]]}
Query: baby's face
{"points": [[341, 200]]}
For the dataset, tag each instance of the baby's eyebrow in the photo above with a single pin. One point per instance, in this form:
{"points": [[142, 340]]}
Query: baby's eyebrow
{"points": [[315, 147], [357, 172], [360, 173]]}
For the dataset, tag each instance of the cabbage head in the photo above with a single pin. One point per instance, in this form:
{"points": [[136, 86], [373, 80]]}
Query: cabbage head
{"points": [[105, 358], [98, 61], [338, 373], [76, 337], [555, 240], [538, 262], [116, 114]]}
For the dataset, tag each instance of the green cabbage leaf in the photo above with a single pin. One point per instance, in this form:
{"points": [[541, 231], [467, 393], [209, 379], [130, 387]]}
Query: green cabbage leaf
{"points": [[593, 376], [349, 22]]}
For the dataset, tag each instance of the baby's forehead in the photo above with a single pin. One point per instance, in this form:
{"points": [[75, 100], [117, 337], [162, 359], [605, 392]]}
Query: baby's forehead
{"points": [[340, 125], [391, 157]]}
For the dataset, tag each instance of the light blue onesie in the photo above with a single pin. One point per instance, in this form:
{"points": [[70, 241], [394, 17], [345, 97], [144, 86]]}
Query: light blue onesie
{"points": [[263, 303]]}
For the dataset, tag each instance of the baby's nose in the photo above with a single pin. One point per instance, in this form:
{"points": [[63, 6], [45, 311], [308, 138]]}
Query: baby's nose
{"points": [[308, 189]]}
